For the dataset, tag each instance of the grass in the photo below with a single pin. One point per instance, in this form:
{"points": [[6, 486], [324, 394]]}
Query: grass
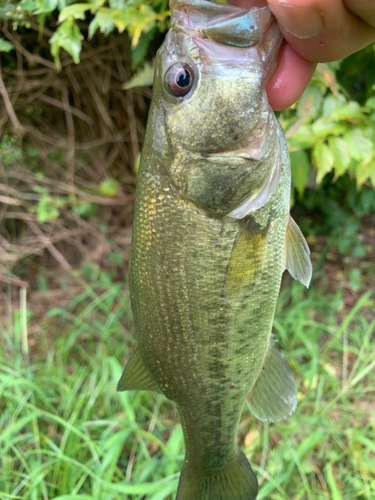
{"points": [[66, 434]]}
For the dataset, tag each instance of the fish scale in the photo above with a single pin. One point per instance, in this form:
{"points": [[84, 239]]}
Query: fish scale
{"points": [[212, 236]]}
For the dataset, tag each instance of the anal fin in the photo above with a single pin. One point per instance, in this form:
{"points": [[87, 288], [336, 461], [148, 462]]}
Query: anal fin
{"points": [[297, 260], [274, 394], [136, 376]]}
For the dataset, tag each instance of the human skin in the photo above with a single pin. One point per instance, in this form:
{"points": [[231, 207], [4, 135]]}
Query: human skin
{"points": [[314, 31]]}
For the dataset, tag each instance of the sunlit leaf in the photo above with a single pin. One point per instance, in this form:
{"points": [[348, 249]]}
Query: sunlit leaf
{"points": [[359, 147], [29, 5], [75, 11], [323, 127], [5, 46], [370, 103], [364, 172], [310, 103], [335, 492], [117, 4], [303, 137], [68, 37], [300, 170], [323, 160], [109, 187], [340, 153], [121, 19], [138, 53], [142, 78], [45, 6], [102, 20], [350, 111], [332, 102]]}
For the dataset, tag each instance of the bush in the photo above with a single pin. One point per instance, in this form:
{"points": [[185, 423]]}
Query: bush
{"points": [[72, 135]]}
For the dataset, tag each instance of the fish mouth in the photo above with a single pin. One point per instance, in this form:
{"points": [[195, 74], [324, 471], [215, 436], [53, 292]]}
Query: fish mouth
{"points": [[221, 23]]}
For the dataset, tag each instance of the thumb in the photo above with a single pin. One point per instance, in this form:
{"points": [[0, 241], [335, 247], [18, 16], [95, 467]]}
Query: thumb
{"points": [[321, 31]]}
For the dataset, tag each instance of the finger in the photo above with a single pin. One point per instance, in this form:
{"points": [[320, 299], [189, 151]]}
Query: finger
{"points": [[248, 4], [321, 31], [290, 79], [365, 9]]}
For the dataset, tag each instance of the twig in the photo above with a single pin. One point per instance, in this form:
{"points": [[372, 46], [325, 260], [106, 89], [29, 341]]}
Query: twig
{"points": [[8, 106], [66, 107], [31, 57], [7, 277], [51, 248], [70, 141], [9, 201]]}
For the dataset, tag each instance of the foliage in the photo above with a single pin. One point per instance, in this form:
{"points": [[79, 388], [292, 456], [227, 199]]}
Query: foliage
{"points": [[330, 130], [142, 20], [68, 435]]}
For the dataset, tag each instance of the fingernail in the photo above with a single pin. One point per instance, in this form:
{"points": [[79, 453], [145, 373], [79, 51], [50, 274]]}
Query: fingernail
{"points": [[301, 22]]}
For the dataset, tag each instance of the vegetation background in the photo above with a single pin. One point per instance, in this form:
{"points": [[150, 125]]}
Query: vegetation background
{"points": [[72, 121]]}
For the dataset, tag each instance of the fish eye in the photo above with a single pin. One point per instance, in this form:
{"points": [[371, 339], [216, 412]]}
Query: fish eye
{"points": [[179, 79]]}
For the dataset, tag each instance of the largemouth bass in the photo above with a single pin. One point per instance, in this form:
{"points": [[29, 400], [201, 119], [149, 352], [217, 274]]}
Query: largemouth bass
{"points": [[212, 237]]}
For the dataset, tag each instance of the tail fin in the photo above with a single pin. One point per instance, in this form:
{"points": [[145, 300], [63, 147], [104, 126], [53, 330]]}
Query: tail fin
{"points": [[236, 481]]}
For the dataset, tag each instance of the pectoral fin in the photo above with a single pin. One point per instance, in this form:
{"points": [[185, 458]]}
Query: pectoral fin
{"points": [[247, 258], [274, 394], [297, 254], [136, 376]]}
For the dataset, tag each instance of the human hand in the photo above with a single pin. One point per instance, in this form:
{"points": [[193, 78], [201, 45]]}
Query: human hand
{"points": [[314, 31]]}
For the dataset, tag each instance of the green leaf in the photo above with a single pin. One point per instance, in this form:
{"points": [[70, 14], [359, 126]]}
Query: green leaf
{"points": [[363, 172], [109, 187], [122, 19], [136, 163], [323, 160], [359, 147], [29, 5], [45, 6], [300, 170], [336, 494], [340, 153], [350, 111], [68, 37], [48, 208], [86, 209], [103, 20], [142, 78], [74, 497], [332, 102], [322, 127], [138, 53], [117, 4], [75, 11], [302, 138], [310, 103], [370, 103], [97, 3], [142, 19], [117, 258], [5, 46]]}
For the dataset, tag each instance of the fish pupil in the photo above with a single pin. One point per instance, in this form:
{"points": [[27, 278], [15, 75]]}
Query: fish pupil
{"points": [[183, 79], [179, 79]]}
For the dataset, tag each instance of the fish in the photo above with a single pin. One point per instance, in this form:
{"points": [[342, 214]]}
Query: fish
{"points": [[212, 237]]}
